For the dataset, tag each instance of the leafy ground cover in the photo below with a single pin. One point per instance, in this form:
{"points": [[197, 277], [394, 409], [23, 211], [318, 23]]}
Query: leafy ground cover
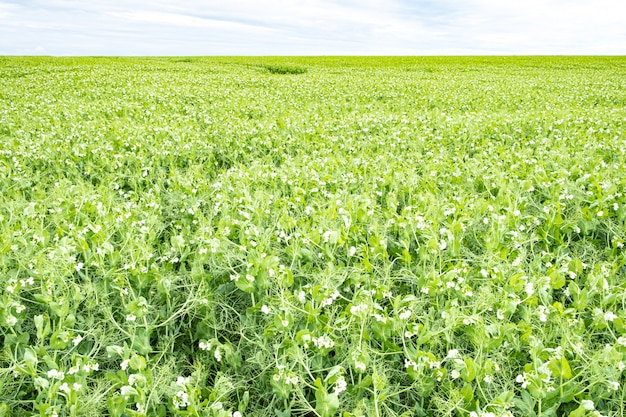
{"points": [[312, 236]]}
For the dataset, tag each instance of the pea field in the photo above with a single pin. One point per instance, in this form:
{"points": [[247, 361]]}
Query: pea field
{"points": [[313, 237]]}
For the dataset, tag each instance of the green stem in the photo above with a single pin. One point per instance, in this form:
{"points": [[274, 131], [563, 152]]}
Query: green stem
{"points": [[539, 407], [376, 396]]}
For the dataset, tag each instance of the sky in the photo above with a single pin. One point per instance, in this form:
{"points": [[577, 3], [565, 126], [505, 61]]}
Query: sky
{"points": [[313, 27]]}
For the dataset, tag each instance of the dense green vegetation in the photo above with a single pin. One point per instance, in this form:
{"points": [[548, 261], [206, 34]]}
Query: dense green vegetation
{"points": [[313, 236]]}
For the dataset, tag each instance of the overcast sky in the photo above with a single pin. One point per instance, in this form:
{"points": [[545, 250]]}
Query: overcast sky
{"points": [[312, 27]]}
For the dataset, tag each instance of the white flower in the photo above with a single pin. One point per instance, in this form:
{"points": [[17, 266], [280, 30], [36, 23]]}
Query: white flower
{"points": [[217, 354], [613, 385], [410, 364], [181, 399], [340, 385], [543, 317], [127, 390], [359, 310], [236, 414], [405, 315], [124, 364], [265, 309], [380, 318], [182, 381], [131, 317], [65, 388], [609, 316], [205, 345], [291, 379], [352, 251], [10, 320], [88, 367], [468, 321], [76, 386], [621, 341], [455, 374], [323, 342], [328, 301], [521, 379], [588, 405], [77, 340], [453, 353], [55, 374], [361, 366]]}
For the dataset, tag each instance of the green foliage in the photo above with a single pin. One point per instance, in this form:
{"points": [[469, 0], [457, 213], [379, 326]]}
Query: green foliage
{"points": [[379, 237], [284, 69]]}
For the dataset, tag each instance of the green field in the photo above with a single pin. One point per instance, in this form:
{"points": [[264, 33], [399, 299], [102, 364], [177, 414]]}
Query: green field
{"points": [[313, 236]]}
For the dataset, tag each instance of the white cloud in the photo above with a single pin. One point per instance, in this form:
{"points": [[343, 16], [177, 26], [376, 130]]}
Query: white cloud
{"points": [[546, 26], [329, 27], [185, 21]]}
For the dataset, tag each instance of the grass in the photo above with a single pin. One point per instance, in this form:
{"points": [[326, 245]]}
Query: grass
{"points": [[386, 236]]}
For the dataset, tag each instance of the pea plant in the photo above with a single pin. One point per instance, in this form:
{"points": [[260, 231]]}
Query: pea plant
{"points": [[299, 237]]}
